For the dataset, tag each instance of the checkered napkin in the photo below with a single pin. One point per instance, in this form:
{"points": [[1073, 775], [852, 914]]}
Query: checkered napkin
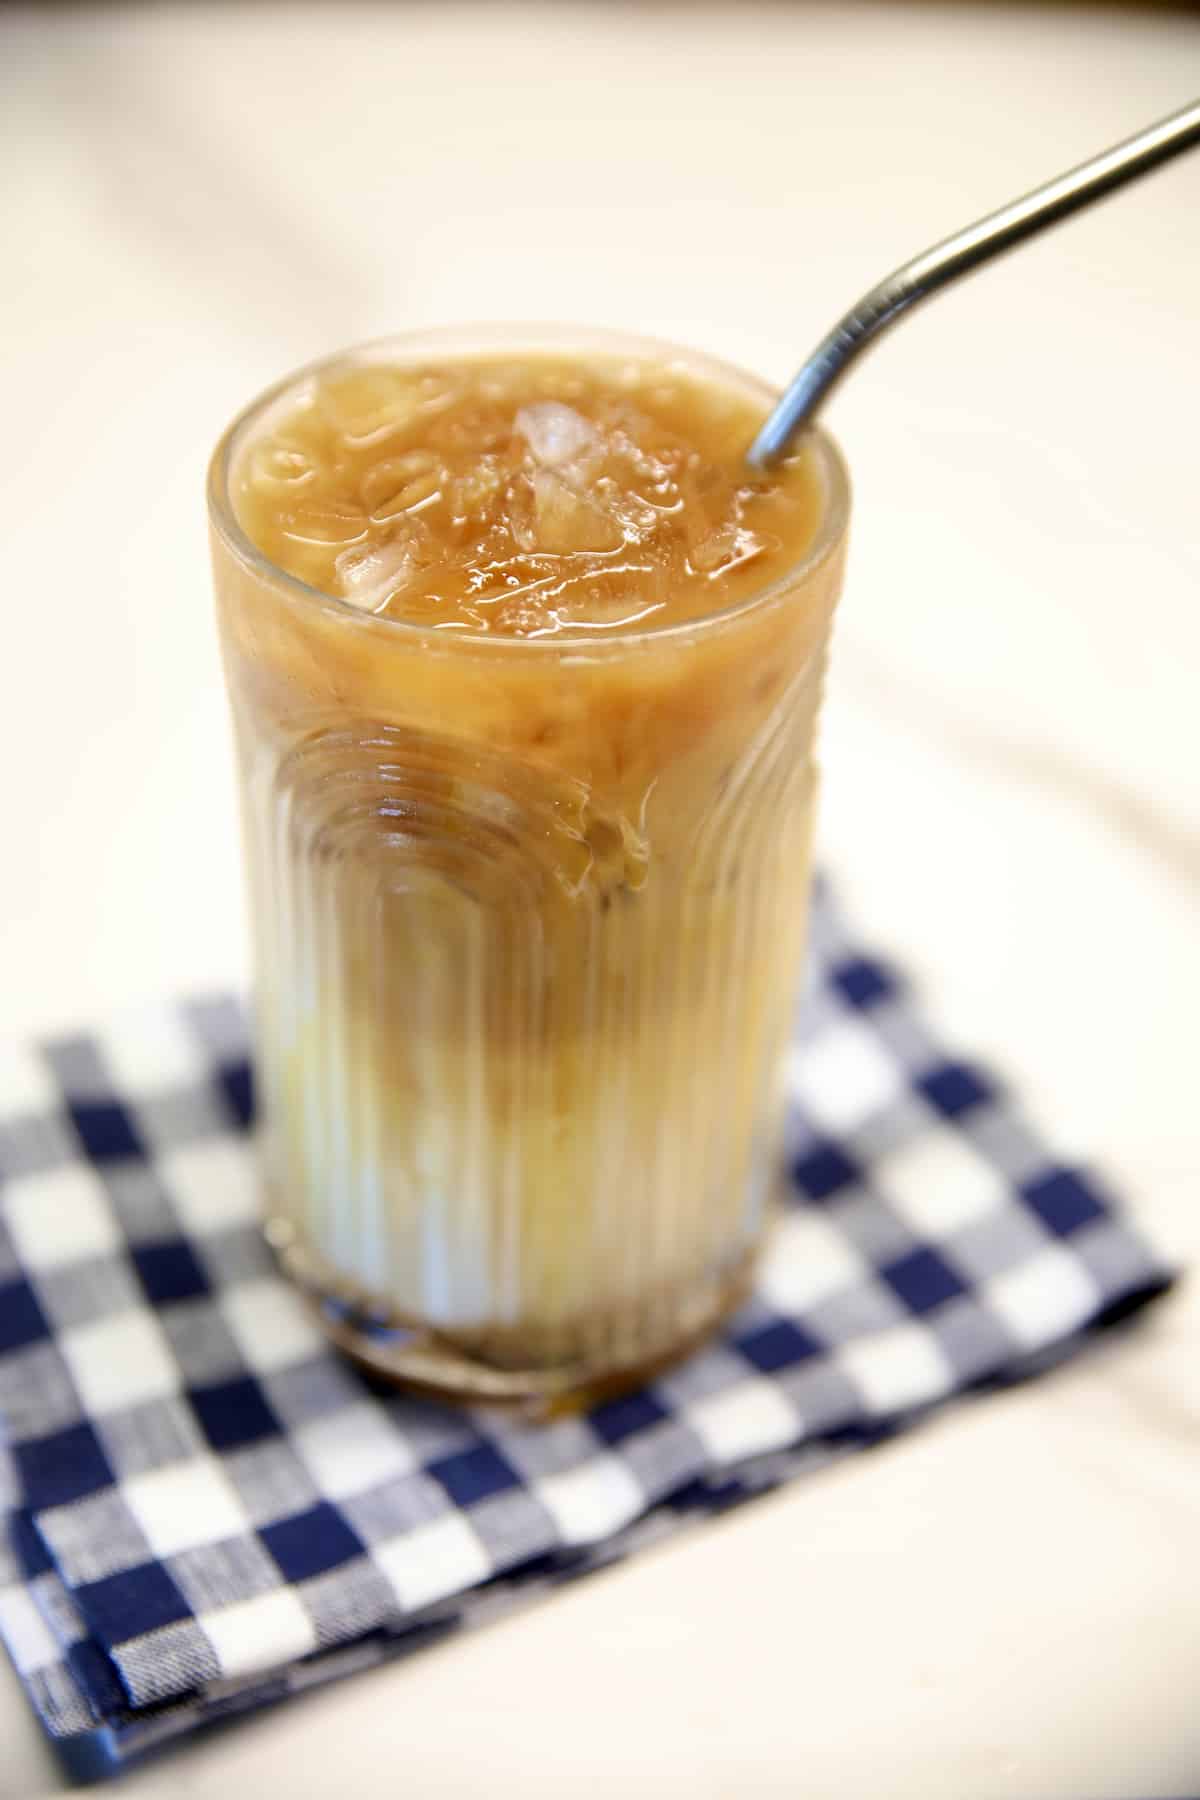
{"points": [[209, 1509]]}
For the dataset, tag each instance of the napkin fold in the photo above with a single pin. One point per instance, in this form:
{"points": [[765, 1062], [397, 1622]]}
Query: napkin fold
{"points": [[208, 1509]]}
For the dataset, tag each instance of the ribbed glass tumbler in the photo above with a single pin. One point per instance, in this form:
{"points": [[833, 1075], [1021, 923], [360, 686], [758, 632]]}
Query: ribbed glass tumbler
{"points": [[528, 919]]}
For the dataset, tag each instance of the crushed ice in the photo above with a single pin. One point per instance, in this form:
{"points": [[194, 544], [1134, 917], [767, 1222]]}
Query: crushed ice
{"points": [[558, 436], [370, 576]]}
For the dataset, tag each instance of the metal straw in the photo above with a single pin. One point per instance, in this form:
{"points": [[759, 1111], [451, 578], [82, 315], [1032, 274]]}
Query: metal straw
{"points": [[957, 256]]}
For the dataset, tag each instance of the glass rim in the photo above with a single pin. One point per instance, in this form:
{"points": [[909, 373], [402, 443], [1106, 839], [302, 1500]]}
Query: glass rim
{"points": [[474, 342]]}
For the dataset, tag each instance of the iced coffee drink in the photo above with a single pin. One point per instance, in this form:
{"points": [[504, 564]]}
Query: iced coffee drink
{"points": [[525, 667]]}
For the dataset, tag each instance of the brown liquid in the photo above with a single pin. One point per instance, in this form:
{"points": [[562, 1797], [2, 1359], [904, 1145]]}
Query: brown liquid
{"points": [[529, 891], [525, 498]]}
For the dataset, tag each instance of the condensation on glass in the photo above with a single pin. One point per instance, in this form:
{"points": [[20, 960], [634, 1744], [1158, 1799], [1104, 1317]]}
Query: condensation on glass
{"points": [[528, 920]]}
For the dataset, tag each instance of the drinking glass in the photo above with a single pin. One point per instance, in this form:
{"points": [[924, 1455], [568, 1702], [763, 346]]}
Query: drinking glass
{"points": [[528, 918]]}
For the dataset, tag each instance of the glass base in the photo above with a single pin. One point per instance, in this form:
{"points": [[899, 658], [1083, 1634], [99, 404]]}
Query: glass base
{"points": [[540, 1373]]}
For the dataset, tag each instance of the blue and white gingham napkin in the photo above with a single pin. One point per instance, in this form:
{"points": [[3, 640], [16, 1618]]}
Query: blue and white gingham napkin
{"points": [[209, 1509]]}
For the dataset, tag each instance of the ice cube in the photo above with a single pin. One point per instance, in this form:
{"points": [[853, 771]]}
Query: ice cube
{"points": [[650, 468], [569, 520], [370, 575], [519, 514], [558, 436], [371, 407], [640, 522], [324, 521], [402, 483], [725, 549], [591, 605], [281, 469], [475, 493], [383, 480]]}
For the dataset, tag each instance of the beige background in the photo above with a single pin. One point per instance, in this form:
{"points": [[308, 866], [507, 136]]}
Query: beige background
{"points": [[1008, 1603]]}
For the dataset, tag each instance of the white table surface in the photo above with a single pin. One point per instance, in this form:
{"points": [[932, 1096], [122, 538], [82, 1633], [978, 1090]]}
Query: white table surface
{"points": [[1008, 1602]]}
